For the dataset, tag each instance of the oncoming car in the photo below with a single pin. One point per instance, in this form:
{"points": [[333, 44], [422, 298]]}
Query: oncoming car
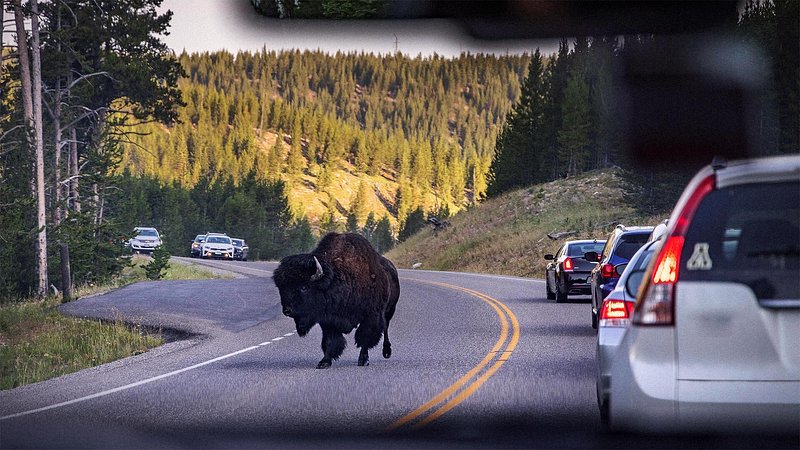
{"points": [[217, 245], [713, 344], [145, 240], [240, 249], [568, 272], [196, 244]]}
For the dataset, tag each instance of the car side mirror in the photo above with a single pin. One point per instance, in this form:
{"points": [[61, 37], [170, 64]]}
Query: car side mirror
{"points": [[619, 268], [549, 257], [591, 256], [633, 282]]}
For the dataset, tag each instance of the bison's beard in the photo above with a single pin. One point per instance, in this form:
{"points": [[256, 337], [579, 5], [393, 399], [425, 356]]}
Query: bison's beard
{"points": [[303, 326]]}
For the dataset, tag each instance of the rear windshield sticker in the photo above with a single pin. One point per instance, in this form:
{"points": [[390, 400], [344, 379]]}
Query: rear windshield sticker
{"points": [[700, 260]]}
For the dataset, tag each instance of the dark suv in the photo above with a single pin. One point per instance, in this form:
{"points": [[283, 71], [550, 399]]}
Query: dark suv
{"points": [[620, 247]]}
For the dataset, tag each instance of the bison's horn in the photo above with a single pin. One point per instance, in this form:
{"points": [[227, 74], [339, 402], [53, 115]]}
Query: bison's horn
{"points": [[317, 275]]}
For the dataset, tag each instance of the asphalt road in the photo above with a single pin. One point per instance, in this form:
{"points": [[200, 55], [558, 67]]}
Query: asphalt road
{"points": [[478, 361]]}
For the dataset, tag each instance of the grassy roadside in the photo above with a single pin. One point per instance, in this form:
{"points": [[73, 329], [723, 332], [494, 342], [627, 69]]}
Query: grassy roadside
{"points": [[507, 235], [37, 342]]}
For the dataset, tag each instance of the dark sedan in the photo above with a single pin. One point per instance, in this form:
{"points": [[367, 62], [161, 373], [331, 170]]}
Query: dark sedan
{"points": [[240, 249], [568, 270]]}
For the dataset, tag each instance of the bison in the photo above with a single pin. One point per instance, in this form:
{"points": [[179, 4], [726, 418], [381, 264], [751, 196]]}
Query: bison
{"points": [[342, 284]]}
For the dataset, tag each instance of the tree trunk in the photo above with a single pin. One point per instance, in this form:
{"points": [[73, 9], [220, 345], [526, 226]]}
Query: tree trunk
{"points": [[66, 274], [58, 189], [73, 169], [34, 129], [41, 207]]}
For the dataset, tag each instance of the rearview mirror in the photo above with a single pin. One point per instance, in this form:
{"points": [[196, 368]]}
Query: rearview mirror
{"points": [[633, 282], [549, 257], [619, 268], [591, 256]]}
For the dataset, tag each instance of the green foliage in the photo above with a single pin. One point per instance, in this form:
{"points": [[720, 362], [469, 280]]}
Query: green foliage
{"points": [[414, 222], [516, 161], [97, 252], [158, 265], [566, 123], [381, 236]]}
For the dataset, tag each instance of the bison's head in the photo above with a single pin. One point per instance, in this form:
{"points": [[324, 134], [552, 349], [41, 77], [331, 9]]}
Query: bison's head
{"points": [[302, 281]]}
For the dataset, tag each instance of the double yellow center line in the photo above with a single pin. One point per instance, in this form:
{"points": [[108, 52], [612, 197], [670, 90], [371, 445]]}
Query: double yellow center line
{"points": [[465, 386]]}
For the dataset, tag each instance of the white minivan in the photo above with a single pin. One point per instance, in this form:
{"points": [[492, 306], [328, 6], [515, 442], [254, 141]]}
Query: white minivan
{"points": [[714, 344]]}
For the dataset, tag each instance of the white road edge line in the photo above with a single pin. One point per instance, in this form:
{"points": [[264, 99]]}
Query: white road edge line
{"points": [[264, 343], [277, 339], [127, 386], [288, 334]]}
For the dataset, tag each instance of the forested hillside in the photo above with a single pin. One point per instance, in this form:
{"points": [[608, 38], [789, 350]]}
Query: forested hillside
{"points": [[347, 133]]}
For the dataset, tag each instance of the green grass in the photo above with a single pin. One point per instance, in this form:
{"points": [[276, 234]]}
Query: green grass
{"points": [[38, 343], [507, 235]]}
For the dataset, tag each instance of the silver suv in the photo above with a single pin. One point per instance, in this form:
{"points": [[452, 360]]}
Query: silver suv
{"points": [[145, 240], [713, 344]]}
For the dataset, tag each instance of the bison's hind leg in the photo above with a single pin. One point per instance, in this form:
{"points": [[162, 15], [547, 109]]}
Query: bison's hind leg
{"points": [[387, 346], [367, 336], [363, 357], [333, 344]]}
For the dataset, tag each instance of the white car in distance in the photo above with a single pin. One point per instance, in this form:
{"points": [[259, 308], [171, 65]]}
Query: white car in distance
{"points": [[217, 245]]}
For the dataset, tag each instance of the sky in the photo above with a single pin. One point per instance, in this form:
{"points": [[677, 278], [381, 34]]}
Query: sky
{"points": [[210, 25]]}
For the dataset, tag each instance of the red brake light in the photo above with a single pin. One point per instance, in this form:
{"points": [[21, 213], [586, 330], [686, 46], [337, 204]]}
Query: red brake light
{"points": [[607, 270], [615, 313], [568, 264], [616, 309], [667, 264], [657, 303]]}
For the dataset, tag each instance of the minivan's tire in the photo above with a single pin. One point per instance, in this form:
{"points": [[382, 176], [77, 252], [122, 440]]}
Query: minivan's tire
{"points": [[561, 297], [550, 294], [594, 320], [604, 422]]}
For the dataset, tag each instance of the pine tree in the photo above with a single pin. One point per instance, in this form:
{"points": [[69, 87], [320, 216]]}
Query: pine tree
{"points": [[155, 269], [518, 151], [573, 137]]}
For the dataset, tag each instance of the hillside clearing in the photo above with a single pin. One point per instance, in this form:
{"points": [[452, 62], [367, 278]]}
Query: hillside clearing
{"points": [[507, 235]]}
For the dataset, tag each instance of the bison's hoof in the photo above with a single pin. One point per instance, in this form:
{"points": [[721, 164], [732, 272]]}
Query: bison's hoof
{"points": [[323, 364], [387, 352]]}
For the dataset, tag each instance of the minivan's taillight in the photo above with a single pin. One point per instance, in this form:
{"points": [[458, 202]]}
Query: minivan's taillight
{"points": [[656, 305], [568, 266], [615, 312]]}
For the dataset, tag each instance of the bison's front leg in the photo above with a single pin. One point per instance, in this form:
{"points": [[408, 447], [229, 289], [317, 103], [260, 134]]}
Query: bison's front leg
{"points": [[333, 344]]}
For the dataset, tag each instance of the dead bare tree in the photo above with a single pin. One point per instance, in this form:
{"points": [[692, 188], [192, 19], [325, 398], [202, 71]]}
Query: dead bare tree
{"points": [[41, 207], [31, 78]]}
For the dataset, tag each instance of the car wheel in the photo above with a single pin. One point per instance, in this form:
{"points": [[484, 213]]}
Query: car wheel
{"points": [[550, 294], [561, 296], [594, 320]]}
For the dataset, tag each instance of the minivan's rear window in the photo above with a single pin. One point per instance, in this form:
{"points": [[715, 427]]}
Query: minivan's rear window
{"points": [[747, 234]]}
